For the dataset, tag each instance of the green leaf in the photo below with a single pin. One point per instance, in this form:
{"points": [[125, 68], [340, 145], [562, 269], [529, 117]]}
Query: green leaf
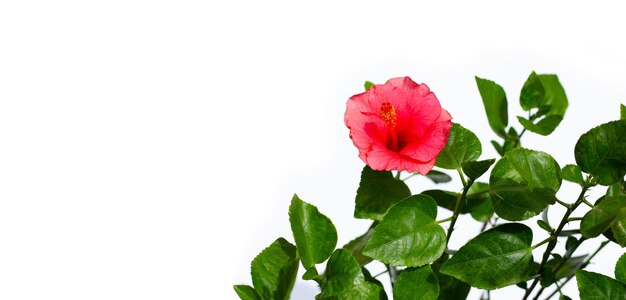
{"points": [[571, 265], [378, 191], [545, 226], [355, 247], [532, 94], [462, 145], [274, 270], [565, 270], [545, 93], [483, 212], [602, 216], [311, 274], [370, 289], [622, 110], [438, 177], [594, 286], [571, 243], [315, 234], [445, 199], [416, 283], [509, 145], [494, 100], [496, 258], [572, 173], [450, 288], [364, 291], [544, 126], [246, 292], [475, 169], [618, 230], [498, 148], [555, 97], [368, 85], [564, 297], [616, 189], [409, 234], [369, 278], [620, 268], [601, 152], [479, 201], [342, 273], [523, 183]]}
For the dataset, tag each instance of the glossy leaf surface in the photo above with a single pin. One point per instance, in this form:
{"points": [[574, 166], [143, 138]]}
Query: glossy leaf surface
{"points": [[378, 191], [544, 92], [601, 152], [475, 169], [523, 183], [462, 145], [620, 269], [416, 283], [572, 173], [479, 194], [495, 103], [315, 234], [603, 215], [274, 270], [594, 286], [246, 292], [343, 272], [409, 234], [496, 258], [533, 93], [450, 288]]}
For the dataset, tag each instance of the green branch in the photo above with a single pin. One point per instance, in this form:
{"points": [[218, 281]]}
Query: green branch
{"points": [[457, 205], [555, 234]]}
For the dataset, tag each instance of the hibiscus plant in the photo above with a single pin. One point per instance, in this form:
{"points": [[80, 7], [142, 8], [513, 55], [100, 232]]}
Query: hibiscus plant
{"points": [[401, 130]]}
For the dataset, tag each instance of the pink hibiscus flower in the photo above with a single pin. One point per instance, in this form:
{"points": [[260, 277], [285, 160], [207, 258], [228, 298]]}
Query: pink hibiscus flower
{"points": [[399, 125]]}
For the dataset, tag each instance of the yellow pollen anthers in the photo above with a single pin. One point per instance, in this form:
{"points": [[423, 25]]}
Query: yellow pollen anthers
{"points": [[388, 113]]}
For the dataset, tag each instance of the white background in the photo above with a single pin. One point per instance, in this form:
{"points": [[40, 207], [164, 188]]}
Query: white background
{"points": [[149, 149]]}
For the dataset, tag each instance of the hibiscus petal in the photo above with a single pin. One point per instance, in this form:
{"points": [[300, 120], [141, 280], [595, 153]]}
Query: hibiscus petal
{"points": [[382, 159], [433, 140], [419, 129]]}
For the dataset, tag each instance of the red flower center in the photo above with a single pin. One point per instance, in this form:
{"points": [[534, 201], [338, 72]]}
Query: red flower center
{"points": [[388, 113]]}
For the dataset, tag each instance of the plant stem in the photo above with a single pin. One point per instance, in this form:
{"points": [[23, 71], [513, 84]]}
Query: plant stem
{"points": [[393, 273], [444, 220], [457, 205], [553, 236], [518, 139], [381, 273], [562, 203], [462, 177], [414, 174], [587, 261], [556, 269], [484, 225], [569, 232], [541, 243]]}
